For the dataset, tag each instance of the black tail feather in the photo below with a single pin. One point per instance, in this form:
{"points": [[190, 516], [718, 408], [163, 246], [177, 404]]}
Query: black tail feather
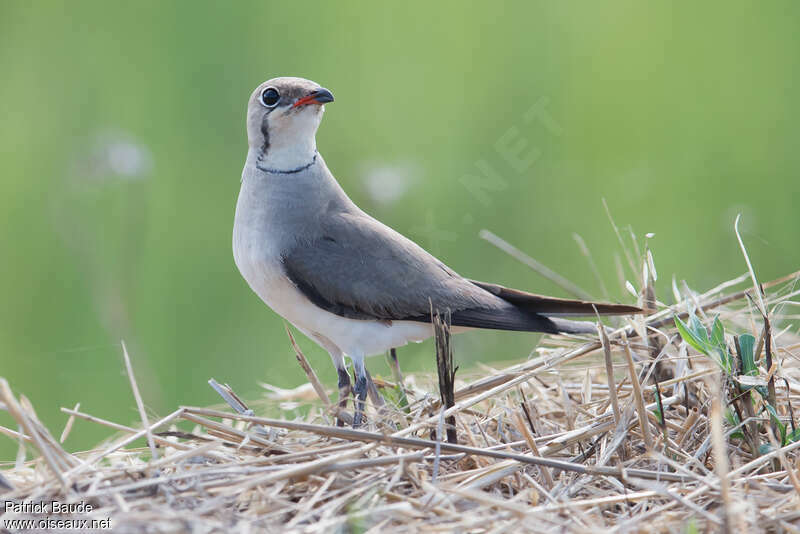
{"points": [[555, 306]]}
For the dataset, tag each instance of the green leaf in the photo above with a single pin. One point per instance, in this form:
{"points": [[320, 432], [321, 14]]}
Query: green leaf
{"points": [[731, 417], [659, 410], [793, 436], [402, 401], [658, 415], [696, 335], [726, 362], [747, 344], [718, 334], [733, 420], [396, 396], [717, 344], [717, 341], [699, 330], [690, 337]]}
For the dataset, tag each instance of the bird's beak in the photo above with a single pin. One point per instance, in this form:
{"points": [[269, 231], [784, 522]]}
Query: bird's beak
{"points": [[318, 96]]}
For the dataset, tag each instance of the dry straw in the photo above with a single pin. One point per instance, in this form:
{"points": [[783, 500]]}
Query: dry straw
{"points": [[578, 438]]}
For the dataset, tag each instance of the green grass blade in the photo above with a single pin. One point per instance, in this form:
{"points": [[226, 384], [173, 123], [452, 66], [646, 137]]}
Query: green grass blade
{"points": [[689, 336], [747, 343]]}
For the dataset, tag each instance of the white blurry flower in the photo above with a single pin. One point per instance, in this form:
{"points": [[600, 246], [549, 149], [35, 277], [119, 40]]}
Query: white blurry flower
{"points": [[127, 159], [114, 156], [386, 184]]}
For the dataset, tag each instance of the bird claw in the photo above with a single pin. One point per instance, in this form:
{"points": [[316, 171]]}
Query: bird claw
{"points": [[363, 386]]}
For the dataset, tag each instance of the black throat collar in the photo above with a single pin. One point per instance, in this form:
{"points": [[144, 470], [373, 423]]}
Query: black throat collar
{"points": [[287, 171]]}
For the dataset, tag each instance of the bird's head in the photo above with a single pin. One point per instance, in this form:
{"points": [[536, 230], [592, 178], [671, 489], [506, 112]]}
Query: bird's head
{"points": [[282, 120]]}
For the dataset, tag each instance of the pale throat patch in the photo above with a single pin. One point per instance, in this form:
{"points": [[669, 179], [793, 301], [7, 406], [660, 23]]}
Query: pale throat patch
{"points": [[292, 143]]}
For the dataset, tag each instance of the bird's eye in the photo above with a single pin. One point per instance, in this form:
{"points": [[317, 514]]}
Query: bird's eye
{"points": [[270, 97]]}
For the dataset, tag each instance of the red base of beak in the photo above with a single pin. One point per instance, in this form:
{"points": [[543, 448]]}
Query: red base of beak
{"points": [[320, 96], [310, 99]]}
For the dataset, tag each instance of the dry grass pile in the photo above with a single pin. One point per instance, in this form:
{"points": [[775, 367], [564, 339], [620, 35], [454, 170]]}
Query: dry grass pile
{"points": [[649, 428]]}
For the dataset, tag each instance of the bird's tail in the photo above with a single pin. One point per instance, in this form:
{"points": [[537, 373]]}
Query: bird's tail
{"points": [[553, 306], [529, 312]]}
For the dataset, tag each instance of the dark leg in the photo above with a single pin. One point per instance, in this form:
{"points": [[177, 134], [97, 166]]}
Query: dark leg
{"points": [[360, 389], [344, 391]]}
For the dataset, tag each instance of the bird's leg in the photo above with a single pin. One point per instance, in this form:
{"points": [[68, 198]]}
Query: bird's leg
{"points": [[360, 389], [344, 385], [345, 389]]}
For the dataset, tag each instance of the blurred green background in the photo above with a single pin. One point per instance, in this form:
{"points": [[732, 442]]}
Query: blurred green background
{"points": [[122, 142]]}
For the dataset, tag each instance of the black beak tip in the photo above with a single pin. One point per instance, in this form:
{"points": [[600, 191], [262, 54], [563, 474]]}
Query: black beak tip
{"points": [[323, 96]]}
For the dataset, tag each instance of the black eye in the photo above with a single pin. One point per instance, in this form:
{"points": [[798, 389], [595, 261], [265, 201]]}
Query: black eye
{"points": [[270, 97]]}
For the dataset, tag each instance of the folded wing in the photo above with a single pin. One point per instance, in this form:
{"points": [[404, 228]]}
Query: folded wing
{"points": [[360, 269]]}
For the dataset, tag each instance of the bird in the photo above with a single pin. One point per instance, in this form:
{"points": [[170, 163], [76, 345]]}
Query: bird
{"points": [[344, 279]]}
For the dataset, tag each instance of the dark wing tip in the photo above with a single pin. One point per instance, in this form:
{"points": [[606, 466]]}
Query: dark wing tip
{"points": [[554, 305]]}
